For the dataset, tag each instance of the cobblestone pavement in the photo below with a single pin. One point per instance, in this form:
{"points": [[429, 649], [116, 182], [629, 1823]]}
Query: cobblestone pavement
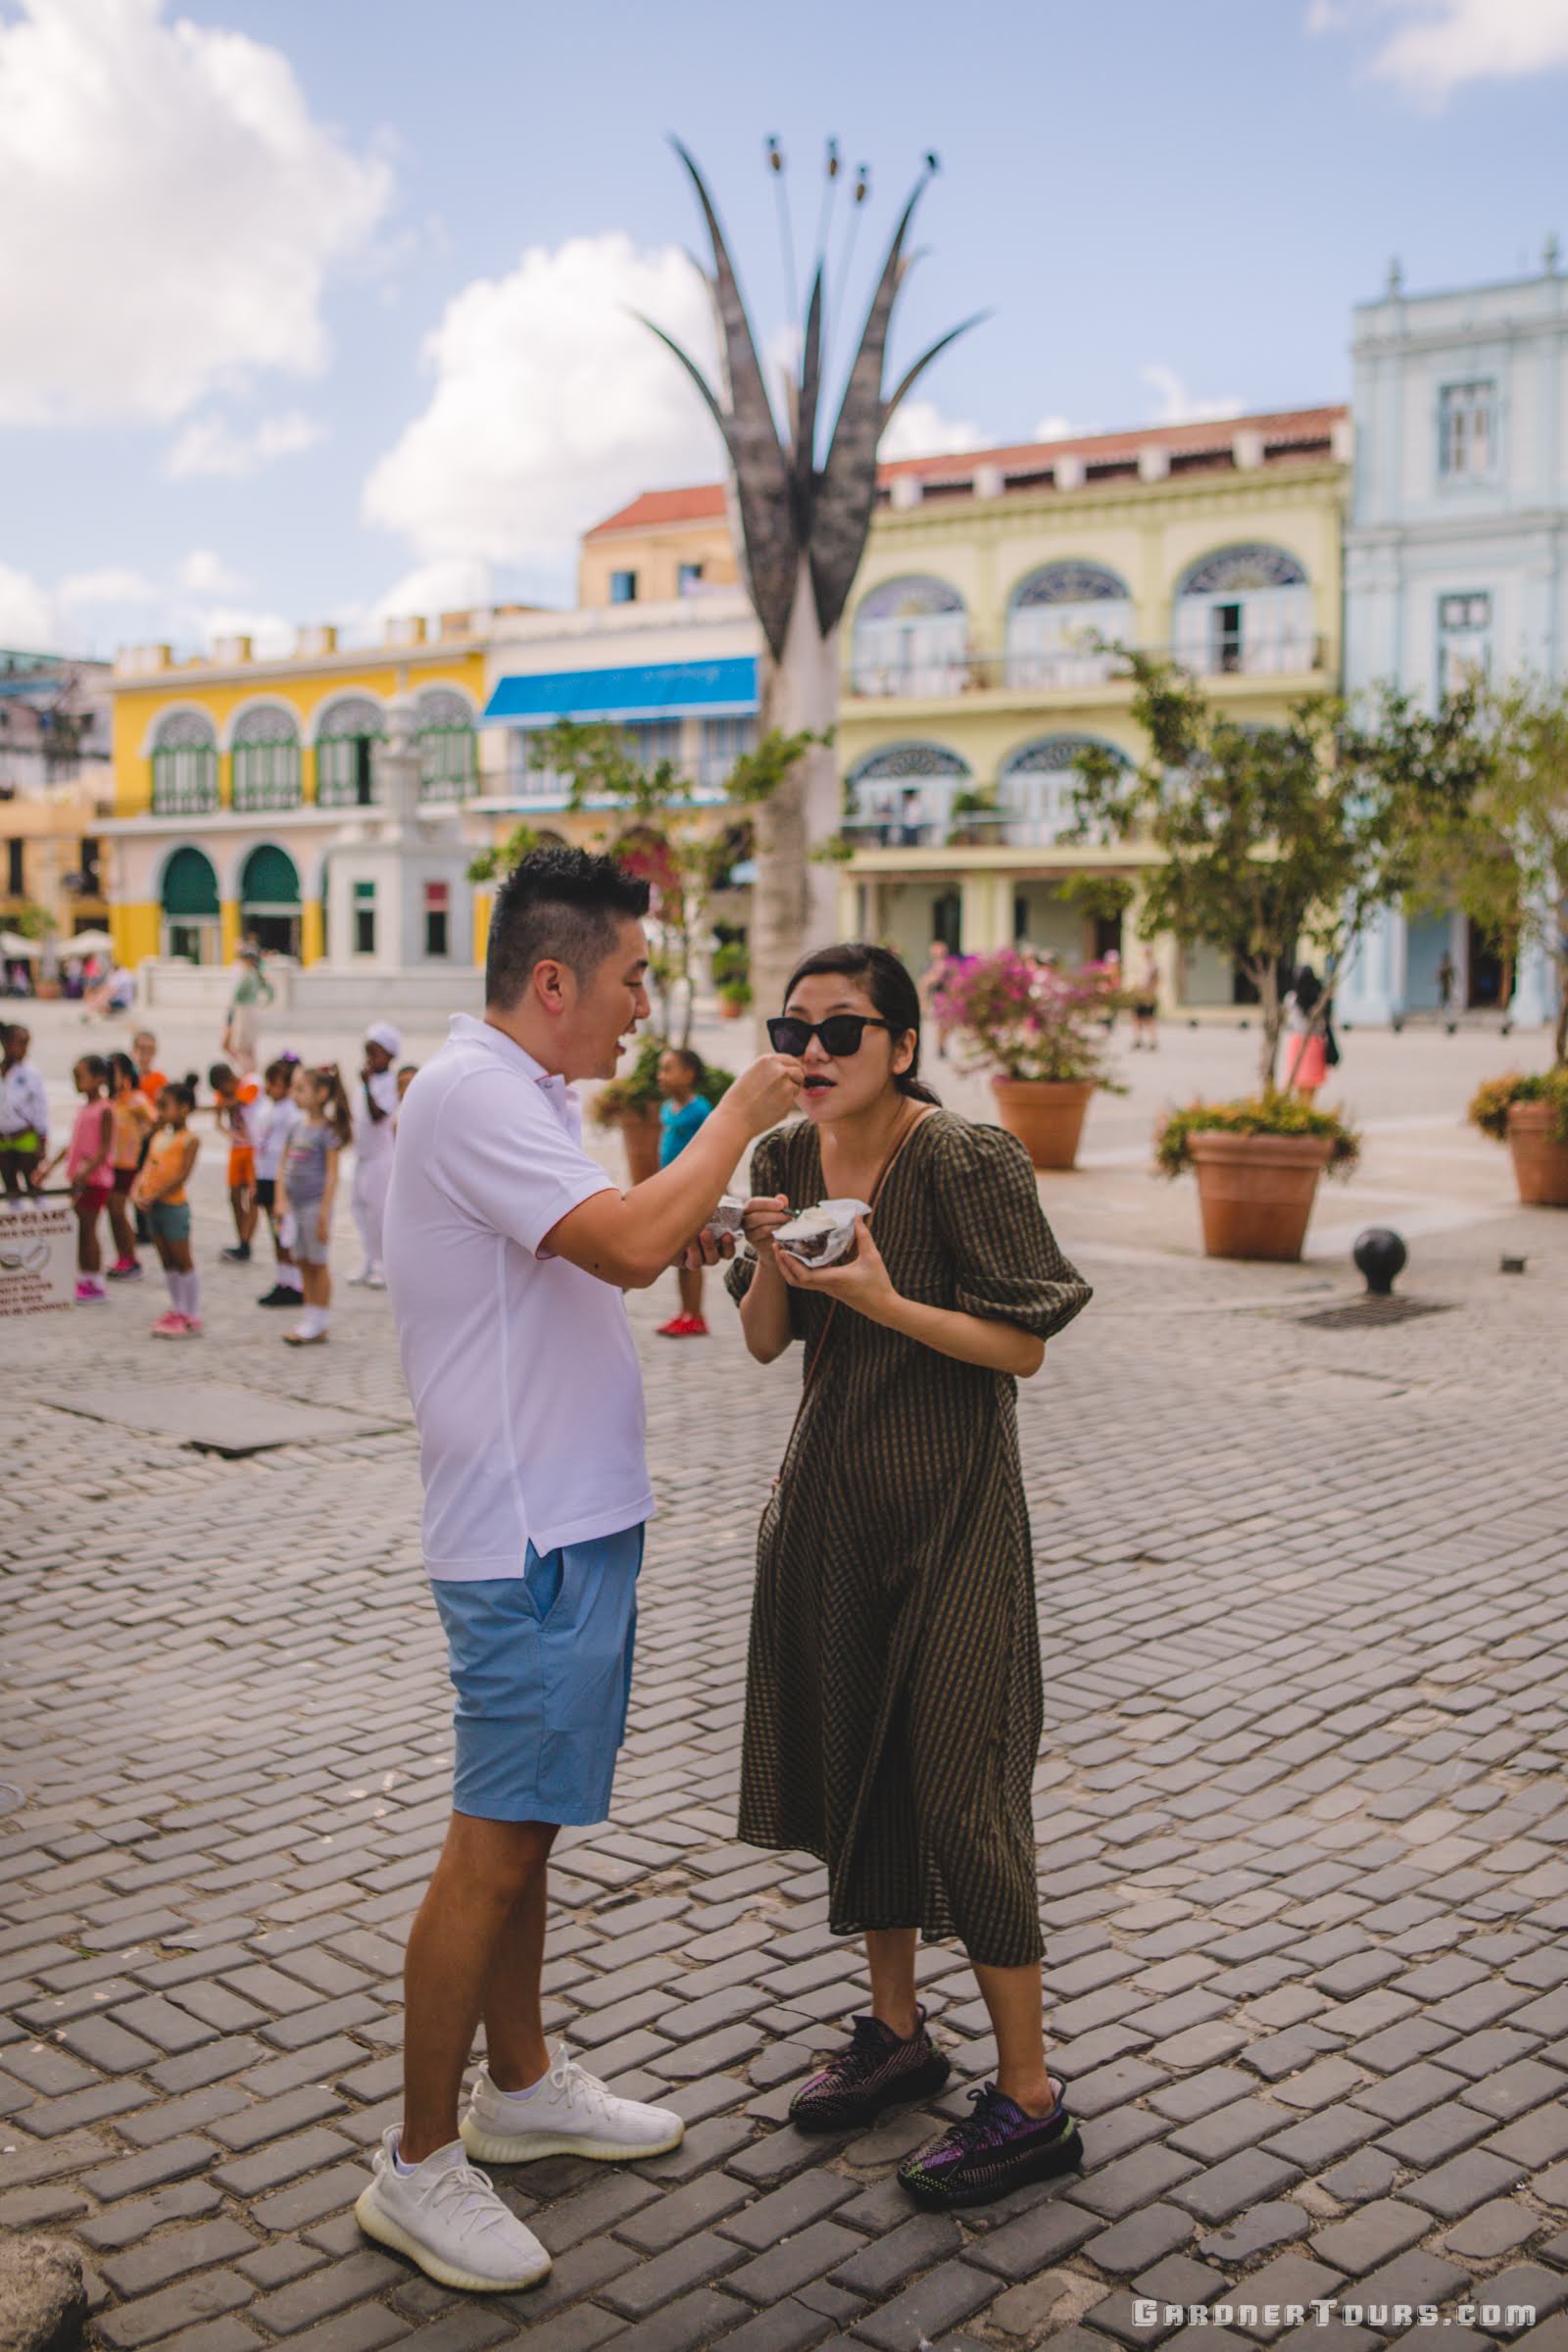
{"points": [[1301, 1812]]}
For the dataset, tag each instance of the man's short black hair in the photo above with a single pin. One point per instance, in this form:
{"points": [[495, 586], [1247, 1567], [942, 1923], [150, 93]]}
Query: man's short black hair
{"points": [[559, 905]]}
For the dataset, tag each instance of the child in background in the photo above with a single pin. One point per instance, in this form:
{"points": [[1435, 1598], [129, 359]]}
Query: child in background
{"points": [[23, 1113], [372, 1150], [159, 1192], [277, 1117], [307, 1187], [680, 1114], [133, 1118], [236, 1100], [149, 1077], [408, 1071], [90, 1170]]}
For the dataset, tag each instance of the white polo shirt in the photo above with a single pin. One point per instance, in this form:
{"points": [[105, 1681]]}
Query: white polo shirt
{"points": [[524, 1381]]}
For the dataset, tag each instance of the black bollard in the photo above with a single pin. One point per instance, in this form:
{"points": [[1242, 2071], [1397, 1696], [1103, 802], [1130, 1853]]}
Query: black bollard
{"points": [[1379, 1255]]}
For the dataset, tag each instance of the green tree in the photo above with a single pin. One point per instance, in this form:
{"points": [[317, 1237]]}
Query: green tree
{"points": [[653, 822], [1503, 855], [1268, 836]]}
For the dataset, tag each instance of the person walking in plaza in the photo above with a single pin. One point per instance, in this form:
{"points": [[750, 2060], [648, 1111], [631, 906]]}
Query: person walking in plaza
{"points": [[278, 1114], [236, 1098], [133, 1118], [1145, 1005], [23, 1113], [894, 1692], [508, 1250], [159, 1192], [307, 1189], [241, 1023], [1306, 1051], [90, 1172], [372, 1150], [681, 1115]]}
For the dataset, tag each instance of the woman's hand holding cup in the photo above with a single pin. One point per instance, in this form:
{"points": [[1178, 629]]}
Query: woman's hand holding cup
{"points": [[763, 1216]]}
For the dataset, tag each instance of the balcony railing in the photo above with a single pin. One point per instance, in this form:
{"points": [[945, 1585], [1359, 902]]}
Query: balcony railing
{"points": [[1002, 829], [1284, 654]]}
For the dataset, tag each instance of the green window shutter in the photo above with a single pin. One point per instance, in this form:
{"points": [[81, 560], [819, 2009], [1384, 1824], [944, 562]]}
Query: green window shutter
{"points": [[190, 886], [270, 878]]}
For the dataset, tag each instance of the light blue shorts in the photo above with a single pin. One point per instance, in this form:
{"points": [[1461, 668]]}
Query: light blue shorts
{"points": [[541, 1664]]}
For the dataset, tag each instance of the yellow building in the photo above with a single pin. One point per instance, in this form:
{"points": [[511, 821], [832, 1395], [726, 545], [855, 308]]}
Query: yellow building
{"points": [[234, 777], [666, 544], [972, 678], [971, 675]]}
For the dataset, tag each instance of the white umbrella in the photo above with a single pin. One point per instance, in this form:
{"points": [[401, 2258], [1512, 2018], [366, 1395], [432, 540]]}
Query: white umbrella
{"points": [[87, 943], [12, 942]]}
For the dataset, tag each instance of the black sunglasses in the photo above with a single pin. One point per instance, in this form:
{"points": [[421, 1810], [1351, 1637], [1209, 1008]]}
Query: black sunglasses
{"points": [[841, 1033]]}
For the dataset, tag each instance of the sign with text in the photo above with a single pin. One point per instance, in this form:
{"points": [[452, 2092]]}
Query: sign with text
{"points": [[37, 1255]]}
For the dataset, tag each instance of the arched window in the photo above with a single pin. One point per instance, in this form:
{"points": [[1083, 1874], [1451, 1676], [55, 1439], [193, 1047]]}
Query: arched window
{"points": [[269, 899], [443, 730], [188, 896], [902, 793], [267, 758], [911, 636], [1037, 787], [1248, 609], [1055, 618], [346, 738], [184, 766]]}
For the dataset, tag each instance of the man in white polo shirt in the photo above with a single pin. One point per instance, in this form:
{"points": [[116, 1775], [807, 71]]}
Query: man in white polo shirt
{"points": [[508, 1250]]}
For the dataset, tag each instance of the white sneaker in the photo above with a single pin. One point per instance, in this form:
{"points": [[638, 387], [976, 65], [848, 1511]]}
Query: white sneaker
{"points": [[445, 2217], [375, 1281], [361, 1280], [570, 2113]]}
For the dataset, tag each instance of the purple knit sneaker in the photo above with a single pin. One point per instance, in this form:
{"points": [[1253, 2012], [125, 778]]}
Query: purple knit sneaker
{"points": [[997, 2149], [876, 2072]]}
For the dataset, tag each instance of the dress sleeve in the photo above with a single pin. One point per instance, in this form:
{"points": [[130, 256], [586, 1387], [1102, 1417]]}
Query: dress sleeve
{"points": [[1008, 1268]]}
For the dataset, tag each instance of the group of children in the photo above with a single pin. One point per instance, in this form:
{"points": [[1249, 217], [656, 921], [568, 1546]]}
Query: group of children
{"points": [[133, 1149]]}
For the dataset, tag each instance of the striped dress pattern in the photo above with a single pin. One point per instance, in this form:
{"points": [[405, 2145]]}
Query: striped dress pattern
{"points": [[894, 1694]]}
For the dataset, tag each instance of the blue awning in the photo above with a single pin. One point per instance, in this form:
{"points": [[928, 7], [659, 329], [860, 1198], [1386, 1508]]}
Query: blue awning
{"points": [[658, 690]]}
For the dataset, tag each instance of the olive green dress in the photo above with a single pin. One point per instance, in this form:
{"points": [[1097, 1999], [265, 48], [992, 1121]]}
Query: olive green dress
{"points": [[894, 1696]]}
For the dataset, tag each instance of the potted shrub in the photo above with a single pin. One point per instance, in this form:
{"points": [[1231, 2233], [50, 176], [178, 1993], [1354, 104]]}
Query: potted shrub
{"points": [[1264, 838], [975, 816], [1258, 1164], [732, 977], [1041, 1032], [631, 1103], [1530, 1114]]}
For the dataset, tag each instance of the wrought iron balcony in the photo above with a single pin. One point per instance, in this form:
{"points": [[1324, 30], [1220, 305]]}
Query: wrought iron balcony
{"points": [[1066, 669]]}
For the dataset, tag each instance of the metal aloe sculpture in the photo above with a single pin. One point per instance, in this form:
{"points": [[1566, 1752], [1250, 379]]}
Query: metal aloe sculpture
{"points": [[799, 530]]}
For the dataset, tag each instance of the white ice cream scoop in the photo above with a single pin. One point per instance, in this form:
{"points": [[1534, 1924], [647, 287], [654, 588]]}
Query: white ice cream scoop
{"points": [[822, 1236]]}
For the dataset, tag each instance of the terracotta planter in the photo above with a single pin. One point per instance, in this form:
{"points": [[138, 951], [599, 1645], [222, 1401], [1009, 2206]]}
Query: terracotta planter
{"points": [[1046, 1115], [729, 1011], [639, 1131], [1540, 1161], [1256, 1191]]}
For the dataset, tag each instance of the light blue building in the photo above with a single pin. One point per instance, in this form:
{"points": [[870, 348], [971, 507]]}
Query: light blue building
{"points": [[1455, 559]]}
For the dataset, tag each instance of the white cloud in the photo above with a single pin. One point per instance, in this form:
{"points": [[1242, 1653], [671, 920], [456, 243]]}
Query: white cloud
{"points": [[551, 407], [448, 584], [921, 431], [204, 573], [210, 446], [27, 614], [181, 204], [1055, 428], [109, 584], [1431, 47], [1175, 405]]}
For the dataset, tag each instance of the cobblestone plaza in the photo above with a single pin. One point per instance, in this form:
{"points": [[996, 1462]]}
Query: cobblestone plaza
{"points": [[1300, 1807]]}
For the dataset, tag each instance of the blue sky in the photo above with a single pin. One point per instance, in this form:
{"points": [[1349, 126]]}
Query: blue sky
{"points": [[320, 311]]}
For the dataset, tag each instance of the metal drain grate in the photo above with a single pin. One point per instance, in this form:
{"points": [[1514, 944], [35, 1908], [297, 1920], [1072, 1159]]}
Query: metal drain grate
{"points": [[1360, 1313]]}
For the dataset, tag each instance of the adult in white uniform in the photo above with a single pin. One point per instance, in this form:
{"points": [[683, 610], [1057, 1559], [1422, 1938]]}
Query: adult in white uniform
{"points": [[374, 1130], [509, 1249]]}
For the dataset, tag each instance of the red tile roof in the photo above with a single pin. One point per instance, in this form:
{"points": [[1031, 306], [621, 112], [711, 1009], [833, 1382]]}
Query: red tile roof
{"points": [[1283, 431], [704, 501]]}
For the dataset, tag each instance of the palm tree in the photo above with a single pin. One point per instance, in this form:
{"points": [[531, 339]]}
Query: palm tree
{"points": [[799, 530]]}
